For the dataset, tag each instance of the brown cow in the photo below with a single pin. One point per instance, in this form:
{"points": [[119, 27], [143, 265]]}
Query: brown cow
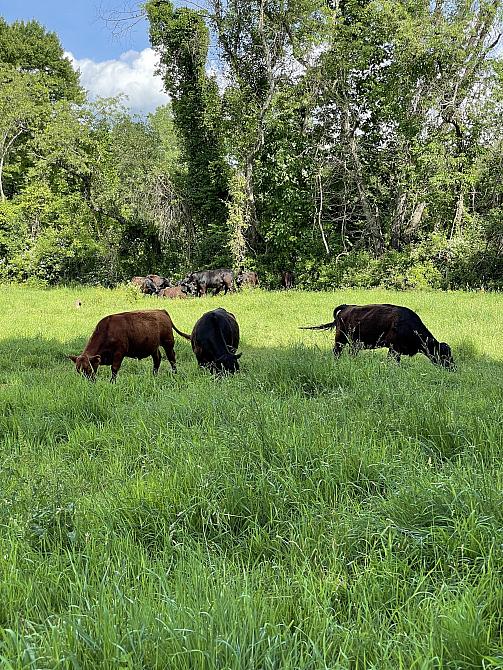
{"points": [[128, 335], [172, 292], [397, 328], [246, 279]]}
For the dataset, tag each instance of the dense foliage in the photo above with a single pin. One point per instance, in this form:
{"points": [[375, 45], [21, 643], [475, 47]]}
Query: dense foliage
{"points": [[353, 142]]}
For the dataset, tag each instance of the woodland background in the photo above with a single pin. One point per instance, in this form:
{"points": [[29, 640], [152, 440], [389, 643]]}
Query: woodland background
{"points": [[356, 143]]}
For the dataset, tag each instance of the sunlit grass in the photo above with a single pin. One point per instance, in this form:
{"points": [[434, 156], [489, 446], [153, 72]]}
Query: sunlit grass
{"points": [[305, 513]]}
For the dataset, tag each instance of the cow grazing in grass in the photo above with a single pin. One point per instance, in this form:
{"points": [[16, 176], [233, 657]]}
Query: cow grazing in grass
{"points": [[128, 335], [215, 339], [172, 292], [246, 279], [202, 281], [397, 328]]}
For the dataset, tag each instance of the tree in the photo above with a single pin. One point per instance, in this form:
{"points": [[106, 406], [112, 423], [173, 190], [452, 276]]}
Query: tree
{"points": [[24, 105], [263, 44], [30, 49], [181, 38]]}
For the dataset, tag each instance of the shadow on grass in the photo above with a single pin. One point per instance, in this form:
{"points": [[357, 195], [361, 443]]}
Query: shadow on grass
{"points": [[21, 354], [311, 368]]}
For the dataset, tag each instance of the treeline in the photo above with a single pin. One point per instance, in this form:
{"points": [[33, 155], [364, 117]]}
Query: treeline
{"points": [[353, 142], [85, 191]]}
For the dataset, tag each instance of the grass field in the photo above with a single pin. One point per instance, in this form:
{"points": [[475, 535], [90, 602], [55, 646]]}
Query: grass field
{"points": [[304, 514]]}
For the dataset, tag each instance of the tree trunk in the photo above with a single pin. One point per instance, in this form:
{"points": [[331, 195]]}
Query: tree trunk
{"points": [[2, 194], [458, 214], [415, 219], [372, 217], [318, 213], [398, 220]]}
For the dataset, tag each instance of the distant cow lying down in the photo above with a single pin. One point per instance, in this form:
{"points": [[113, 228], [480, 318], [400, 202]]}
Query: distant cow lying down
{"points": [[128, 335], [397, 328], [215, 339], [172, 292]]}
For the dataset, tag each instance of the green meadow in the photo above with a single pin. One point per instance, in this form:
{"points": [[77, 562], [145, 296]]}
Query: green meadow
{"points": [[306, 513]]}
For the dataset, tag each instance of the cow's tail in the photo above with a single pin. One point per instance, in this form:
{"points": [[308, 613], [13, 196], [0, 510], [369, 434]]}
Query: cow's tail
{"points": [[327, 326], [187, 337], [324, 326]]}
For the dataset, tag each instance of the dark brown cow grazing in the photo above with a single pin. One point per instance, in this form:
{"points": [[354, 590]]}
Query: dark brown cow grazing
{"points": [[215, 339], [128, 335], [287, 279], [397, 328], [172, 292]]}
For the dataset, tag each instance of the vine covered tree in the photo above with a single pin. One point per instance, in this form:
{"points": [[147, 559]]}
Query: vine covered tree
{"points": [[181, 38]]}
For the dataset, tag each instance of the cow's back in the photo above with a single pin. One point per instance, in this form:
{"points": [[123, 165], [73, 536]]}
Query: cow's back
{"points": [[383, 325], [213, 332], [368, 324], [136, 334]]}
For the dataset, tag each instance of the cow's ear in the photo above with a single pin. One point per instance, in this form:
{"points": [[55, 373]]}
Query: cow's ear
{"points": [[95, 361], [73, 358]]}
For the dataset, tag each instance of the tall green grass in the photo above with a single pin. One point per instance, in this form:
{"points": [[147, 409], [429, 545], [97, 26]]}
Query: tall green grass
{"points": [[306, 513]]}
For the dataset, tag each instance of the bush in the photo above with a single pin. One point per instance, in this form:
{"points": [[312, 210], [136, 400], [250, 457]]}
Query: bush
{"points": [[435, 262]]}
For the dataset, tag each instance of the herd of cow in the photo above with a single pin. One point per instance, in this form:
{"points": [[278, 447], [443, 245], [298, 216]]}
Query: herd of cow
{"points": [[215, 338], [199, 283]]}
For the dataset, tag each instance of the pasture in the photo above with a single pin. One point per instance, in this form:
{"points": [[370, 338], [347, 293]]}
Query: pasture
{"points": [[304, 514]]}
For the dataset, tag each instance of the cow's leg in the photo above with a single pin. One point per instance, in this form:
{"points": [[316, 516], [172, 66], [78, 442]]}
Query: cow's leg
{"points": [[339, 342], [156, 357], [170, 354], [116, 364], [393, 355]]}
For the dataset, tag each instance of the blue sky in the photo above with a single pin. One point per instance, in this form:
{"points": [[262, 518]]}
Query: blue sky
{"points": [[78, 25], [108, 65]]}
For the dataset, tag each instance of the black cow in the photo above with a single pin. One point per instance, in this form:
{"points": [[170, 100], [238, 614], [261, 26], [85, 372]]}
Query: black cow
{"points": [[145, 284], [397, 328], [159, 282], [199, 282], [215, 339]]}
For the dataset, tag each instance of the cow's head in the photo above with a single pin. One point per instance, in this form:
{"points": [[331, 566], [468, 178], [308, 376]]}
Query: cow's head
{"points": [[443, 356], [228, 363], [188, 286], [87, 365]]}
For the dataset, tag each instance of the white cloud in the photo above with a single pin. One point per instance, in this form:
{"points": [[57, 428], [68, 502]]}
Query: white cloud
{"points": [[132, 75]]}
